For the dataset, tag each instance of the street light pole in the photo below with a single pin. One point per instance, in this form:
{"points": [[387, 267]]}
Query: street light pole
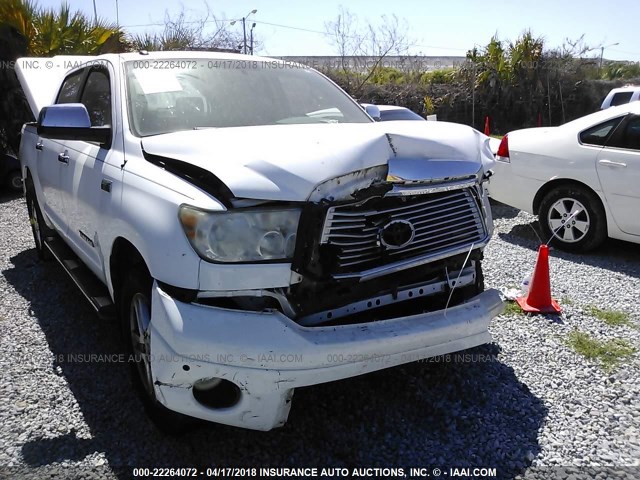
{"points": [[252, 27], [602, 54], [244, 30]]}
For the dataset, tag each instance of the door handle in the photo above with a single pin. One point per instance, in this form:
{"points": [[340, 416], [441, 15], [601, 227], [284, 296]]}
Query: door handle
{"points": [[63, 157], [39, 145], [609, 163]]}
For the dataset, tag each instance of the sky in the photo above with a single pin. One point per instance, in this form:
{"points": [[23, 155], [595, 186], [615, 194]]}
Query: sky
{"points": [[437, 28]]}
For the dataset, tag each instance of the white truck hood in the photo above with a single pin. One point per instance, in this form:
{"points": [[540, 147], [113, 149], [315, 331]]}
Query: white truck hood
{"points": [[287, 162]]}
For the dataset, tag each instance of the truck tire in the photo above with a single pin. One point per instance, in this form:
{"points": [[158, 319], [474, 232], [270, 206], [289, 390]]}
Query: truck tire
{"points": [[39, 228], [14, 181], [135, 318], [579, 232]]}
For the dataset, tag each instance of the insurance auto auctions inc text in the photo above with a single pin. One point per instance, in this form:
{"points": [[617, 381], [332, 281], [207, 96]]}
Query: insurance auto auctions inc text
{"points": [[377, 472]]}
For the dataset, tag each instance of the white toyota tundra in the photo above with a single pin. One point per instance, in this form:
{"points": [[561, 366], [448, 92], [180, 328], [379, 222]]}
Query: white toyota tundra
{"points": [[251, 227]]}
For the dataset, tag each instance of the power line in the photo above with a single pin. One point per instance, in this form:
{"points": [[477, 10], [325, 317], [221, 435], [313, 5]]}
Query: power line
{"points": [[294, 28], [622, 51], [317, 32], [162, 24], [353, 36]]}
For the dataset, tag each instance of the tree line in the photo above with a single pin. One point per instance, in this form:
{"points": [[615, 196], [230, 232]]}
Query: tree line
{"points": [[516, 84]]}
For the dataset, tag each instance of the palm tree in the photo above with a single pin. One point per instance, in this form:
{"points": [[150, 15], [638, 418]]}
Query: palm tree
{"points": [[26, 29], [56, 32]]}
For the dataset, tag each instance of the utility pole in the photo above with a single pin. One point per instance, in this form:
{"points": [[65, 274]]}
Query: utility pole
{"points": [[244, 35], [95, 12], [473, 97]]}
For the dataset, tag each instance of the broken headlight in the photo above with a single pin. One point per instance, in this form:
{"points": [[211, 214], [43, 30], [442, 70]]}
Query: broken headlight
{"points": [[244, 235]]}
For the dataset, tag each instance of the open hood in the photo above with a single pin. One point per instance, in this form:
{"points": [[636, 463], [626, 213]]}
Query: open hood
{"points": [[288, 162]]}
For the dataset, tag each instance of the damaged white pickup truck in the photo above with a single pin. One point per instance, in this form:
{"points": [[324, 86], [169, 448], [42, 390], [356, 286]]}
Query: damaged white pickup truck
{"points": [[252, 227]]}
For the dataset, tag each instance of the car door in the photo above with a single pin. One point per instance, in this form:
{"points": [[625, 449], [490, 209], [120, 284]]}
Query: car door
{"points": [[91, 172], [51, 159], [618, 167]]}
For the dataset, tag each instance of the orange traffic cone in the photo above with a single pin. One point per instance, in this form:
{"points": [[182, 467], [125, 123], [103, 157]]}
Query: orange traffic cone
{"points": [[487, 130], [539, 300]]}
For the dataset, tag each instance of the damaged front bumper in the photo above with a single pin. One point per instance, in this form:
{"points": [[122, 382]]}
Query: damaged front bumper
{"points": [[265, 355]]}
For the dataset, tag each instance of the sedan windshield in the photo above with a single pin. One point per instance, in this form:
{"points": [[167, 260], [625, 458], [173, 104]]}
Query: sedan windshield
{"points": [[183, 94]]}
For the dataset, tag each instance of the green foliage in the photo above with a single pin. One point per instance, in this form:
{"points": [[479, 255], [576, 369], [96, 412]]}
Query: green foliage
{"points": [[512, 308], [55, 32], [163, 41], [26, 29], [614, 318], [384, 75], [441, 76], [620, 71], [428, 105], [609, 353]]}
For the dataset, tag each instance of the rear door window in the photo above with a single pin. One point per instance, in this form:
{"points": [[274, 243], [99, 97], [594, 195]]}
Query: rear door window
{"points": [[599, 134], [96, 96]]}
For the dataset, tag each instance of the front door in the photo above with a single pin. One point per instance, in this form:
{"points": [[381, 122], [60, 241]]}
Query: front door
{"points": [[618, 166], [88, 189], [52, 158]]}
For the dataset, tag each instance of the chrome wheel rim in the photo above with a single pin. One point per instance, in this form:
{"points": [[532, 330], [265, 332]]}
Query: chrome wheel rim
{"points": [[139, 320], [568, 220]]}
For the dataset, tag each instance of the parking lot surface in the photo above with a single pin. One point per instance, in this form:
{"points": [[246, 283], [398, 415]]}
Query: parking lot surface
{"points": [[525, 403]]}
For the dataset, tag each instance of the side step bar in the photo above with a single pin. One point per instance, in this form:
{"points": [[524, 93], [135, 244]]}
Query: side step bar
{"points": [[92, 288]]}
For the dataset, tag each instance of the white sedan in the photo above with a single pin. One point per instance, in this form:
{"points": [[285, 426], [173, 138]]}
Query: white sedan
{"points": [[582, 178], [394, 112]]}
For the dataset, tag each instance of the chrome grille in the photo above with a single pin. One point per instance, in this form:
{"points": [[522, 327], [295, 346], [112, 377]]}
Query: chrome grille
{"points": [[442, 222]]}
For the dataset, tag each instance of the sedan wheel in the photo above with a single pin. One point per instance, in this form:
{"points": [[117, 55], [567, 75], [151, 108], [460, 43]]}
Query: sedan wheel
{"points": [[572, 218], [568, 220]]}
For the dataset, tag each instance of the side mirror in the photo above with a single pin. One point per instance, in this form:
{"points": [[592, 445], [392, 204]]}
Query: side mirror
{"points": [[372, 110], [70, 121]]}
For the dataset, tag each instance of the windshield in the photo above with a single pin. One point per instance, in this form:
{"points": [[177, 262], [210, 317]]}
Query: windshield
{"points": [[183, 94], [398, 114]]}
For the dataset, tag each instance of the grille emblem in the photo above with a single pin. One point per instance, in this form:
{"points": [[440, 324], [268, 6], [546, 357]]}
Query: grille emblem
{"points": [[397, 234]]}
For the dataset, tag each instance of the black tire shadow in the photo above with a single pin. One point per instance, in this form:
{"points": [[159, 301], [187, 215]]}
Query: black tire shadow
{"points": [[500, 210], [6, 195], [461, 411]]}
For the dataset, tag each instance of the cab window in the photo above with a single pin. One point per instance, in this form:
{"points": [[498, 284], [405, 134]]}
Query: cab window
{"points": [[96, 96], [70, 90]]}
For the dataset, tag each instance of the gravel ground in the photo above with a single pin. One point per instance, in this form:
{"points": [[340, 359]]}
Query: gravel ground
{"points": [[524, 404]]}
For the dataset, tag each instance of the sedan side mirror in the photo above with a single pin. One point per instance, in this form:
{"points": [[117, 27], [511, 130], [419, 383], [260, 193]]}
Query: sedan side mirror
{"points": [[372, 110], [70, 121]]}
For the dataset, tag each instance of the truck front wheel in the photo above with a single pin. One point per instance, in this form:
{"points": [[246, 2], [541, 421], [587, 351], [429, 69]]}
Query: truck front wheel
{"points": [[135, 317]]}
